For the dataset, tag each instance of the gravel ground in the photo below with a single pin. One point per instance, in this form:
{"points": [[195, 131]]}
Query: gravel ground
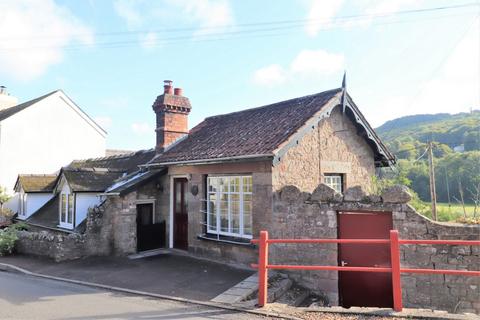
{"points": [[335, 316]]}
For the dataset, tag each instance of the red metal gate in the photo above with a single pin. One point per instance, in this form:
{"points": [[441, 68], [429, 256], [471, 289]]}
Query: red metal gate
{"points": [[364, 289], [395, 269]]}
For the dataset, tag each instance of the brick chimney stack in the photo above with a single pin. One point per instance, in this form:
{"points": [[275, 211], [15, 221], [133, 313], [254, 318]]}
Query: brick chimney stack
{"points": [[172, 110]]}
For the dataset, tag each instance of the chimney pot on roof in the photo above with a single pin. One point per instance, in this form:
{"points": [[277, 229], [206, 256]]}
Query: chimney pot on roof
{"points": [[6, 100], [178, 91], [167, 86]]}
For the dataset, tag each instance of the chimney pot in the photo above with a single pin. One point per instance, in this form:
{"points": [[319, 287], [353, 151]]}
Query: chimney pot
{"points": [[167, 86], [178, 91]]}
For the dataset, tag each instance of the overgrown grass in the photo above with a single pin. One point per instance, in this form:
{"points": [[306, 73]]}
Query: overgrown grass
{"points": [[449, 213]]}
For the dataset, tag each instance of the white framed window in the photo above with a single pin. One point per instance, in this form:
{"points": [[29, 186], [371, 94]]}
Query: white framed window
{"points": [[229, 206], [334, 181], [67, 210], [23, 204]]}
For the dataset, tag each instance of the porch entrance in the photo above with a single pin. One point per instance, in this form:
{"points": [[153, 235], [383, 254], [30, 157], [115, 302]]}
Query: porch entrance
{"points": [[364, 289], [150, 235], [180, 213]]}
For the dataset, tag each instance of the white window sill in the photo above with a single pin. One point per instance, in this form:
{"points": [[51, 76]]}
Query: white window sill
{"points": [[226, 239], [66, 226]]}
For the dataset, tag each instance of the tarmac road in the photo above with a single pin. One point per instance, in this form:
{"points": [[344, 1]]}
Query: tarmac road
{"points": [[25, 297]]}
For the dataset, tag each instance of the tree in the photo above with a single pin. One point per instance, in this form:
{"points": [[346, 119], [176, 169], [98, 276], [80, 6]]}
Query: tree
{"points": [[4, 197]]}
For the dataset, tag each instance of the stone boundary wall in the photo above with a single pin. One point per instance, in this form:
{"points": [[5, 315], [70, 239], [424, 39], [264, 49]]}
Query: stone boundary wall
{"points": [[58, 246], [299, 214], [62, 246]]}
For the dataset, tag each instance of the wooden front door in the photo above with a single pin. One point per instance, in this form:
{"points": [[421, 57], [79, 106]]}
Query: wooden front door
{"points": [[364, 289], [150, 234], [180, 213]]}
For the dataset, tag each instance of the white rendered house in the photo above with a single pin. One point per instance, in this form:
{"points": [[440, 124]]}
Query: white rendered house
{"points": [[41, 135]]}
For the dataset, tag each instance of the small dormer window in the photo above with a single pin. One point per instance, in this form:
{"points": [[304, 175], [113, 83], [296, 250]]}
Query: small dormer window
{"points": [[67, 207]]}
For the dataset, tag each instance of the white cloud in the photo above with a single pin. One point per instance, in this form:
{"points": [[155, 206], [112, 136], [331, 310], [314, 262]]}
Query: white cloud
{"points": [[209, 14], [270, 75], [321, 14], [129, 11], [317, 62], [141, 128], [149, 40], [34, 34], [104, 122], [308, 64]]}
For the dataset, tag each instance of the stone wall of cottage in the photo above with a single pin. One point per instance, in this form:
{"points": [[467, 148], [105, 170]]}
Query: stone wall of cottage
{"points": [[299, 214], [332, 147], [118, 229]]}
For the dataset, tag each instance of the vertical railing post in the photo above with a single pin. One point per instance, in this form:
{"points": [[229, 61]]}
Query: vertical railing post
{"points": [[396, 279], [262, 269]]}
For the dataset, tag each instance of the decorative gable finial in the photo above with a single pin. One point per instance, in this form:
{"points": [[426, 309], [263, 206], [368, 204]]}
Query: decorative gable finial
{"points": [[344, 91]]}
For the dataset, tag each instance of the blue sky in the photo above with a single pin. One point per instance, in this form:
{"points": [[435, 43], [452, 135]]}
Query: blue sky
{"points": [[111, 57]]}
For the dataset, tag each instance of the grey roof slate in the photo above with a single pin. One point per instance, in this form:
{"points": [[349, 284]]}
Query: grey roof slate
{"points": [[127, 163], [90, 180], [36, 182]]}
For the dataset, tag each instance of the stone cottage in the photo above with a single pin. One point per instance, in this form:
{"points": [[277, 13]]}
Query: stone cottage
{"points": [[214, 185]]}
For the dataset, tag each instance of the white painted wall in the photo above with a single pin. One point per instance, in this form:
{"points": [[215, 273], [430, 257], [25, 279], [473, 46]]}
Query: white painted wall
{"points": [[35, 201], [84, 200], [46, 136]]}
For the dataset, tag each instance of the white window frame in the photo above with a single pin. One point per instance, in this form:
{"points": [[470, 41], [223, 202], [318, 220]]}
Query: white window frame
{"points": [[331, 183], [217, 230], [65, 224], [23, 204]]}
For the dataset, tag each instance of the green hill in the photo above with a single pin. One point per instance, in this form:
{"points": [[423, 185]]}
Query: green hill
{"points": [[407, 136]]}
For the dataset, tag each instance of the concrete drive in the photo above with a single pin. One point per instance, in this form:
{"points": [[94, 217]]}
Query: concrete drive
{"points": [[25, 297], [171, 275]]}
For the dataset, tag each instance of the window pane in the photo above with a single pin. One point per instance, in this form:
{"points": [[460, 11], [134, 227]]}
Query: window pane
{"points": [[70, 208], [212, 211], [178, 197], [334, 181], [63, 210], [212, 184], [223, 215], [247, 217], [235, 184], [185, 203], [235, 213], [223, 184], [247, 184]]}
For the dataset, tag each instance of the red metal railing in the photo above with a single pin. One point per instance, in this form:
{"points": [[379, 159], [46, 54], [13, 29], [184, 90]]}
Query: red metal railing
{"points": [[396, 270]]}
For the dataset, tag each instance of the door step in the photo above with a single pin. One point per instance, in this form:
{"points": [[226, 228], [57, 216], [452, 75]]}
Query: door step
{"points": [[239, 292], [149, 253]]}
